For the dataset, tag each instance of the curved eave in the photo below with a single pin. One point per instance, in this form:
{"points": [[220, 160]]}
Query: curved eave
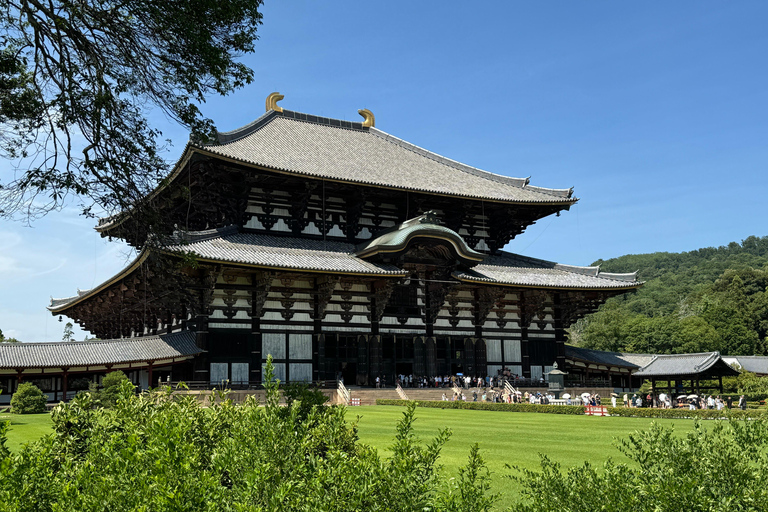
{"points": [[461, 248], [60, 309], [163, 360], [490, 282], [288, 268]]}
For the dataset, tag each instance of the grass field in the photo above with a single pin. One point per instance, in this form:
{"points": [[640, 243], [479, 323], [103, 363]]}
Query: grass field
{"points": [[26, 428], [516, 439]]}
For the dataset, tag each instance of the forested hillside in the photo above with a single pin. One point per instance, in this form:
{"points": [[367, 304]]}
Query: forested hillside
{"points": [[708, 299]]}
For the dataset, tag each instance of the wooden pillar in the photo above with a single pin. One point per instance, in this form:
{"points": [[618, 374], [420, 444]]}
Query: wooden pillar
{"points": [[560, 332], [149, 373], [18, 377], [64, 383]]}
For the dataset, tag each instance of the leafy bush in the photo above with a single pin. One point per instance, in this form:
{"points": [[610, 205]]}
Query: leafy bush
{"points": [[28, 399], [111, 385], [160, 451], [487, 406], [721, 468]]}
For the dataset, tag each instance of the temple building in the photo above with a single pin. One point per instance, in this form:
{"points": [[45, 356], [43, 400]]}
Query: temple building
{"points": [[341, 251]]}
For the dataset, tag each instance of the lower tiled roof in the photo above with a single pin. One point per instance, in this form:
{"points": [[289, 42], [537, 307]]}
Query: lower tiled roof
{"points": [[603, 357], [513, 269], [281, 252], [96, 353], [754, 364]]}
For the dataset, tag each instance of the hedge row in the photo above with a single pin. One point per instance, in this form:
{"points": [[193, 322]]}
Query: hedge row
{"points": [[579, 409], [488, 406], [705, 414]]}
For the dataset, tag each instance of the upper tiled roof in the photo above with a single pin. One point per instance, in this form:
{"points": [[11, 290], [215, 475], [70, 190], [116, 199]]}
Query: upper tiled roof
{"points": [[341, 150], [280, 252], [686, 364], [513, 269], [607, 358], [96, 353]]}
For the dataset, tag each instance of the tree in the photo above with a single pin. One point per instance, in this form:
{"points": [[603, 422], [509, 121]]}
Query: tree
{"points": [[78, 79], [68, 332], [3, 339]]}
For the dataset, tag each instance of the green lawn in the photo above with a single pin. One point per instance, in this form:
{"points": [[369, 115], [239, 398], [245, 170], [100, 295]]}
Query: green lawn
{"points": [[508, 438], [26, 428]]}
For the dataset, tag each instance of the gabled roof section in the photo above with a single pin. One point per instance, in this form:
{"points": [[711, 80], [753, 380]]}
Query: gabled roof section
{"points": [[701, 364], [333, 149], [515, 270], [178, 345], [426, 226]]}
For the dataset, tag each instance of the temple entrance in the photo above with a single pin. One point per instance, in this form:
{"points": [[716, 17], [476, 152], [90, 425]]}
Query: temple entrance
{"points": [[348, 372]]}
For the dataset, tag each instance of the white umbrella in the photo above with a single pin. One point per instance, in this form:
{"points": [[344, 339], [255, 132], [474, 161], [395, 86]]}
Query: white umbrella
{"points": [[566, 396], [585, 394], [693, 396]]}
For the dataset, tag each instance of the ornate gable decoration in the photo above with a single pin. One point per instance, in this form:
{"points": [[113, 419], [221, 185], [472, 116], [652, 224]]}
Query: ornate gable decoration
{"points": [[421, 237]]}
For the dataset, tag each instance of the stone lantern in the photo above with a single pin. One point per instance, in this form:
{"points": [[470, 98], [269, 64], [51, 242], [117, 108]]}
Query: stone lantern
{"points": [[556, 381]]}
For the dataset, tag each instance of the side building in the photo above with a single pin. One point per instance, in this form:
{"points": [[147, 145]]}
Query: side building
{"points": [[341, 251]]}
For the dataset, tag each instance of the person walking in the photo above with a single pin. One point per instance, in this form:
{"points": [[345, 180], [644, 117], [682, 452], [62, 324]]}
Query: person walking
{"points": [[742, 403]]}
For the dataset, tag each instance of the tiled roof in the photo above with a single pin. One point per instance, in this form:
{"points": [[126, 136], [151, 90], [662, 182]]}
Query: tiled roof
{"points": [[607, 358], [280, 252], [686, 364], [513, 269], [340, 150], [95, 353], [754, 364]]}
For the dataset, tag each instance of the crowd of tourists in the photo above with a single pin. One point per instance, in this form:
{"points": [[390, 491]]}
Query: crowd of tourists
{"points": [[692, 402], [458, 380]]}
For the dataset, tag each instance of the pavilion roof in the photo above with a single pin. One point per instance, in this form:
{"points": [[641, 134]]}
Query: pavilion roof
{"points": [[753, 364], [93, 353], [704, 364], [516, 270]]}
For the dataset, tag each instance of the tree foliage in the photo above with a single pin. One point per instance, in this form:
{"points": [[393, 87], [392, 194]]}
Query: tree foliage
{"points": [[78, 79], [4, 339], [705, 300], [159, 451], [28, 399], [720, 468]]}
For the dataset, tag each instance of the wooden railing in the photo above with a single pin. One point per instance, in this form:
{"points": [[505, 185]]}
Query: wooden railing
{"points": [[343, 393]]}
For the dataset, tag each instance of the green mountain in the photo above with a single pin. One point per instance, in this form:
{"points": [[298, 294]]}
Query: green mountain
{"points": [[708, 299]]}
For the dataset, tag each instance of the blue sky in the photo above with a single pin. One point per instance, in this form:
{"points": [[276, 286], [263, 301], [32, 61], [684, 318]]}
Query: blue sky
{"points": [[656, 112]]}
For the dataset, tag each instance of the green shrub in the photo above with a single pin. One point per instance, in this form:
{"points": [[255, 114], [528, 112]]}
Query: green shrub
{"points": [[28, 399], [720, 468], [487, 406], [107, 396], [705, 414]]}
